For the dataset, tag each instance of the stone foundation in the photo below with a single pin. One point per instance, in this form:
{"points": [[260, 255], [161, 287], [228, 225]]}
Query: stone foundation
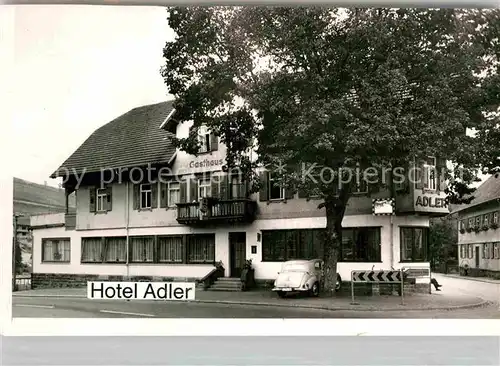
{"points": [[479, 272], [59, 280]]}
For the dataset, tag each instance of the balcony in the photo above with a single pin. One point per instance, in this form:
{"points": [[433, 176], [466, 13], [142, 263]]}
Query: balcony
{"points": [[219, 211]]}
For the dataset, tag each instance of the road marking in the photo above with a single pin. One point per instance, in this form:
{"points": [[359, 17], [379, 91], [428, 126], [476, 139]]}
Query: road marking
{"points": [[124, 313], [36, 306]]}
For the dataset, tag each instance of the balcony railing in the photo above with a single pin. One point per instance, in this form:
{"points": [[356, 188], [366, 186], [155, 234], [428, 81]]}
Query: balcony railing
{"points": [[237, 210]]}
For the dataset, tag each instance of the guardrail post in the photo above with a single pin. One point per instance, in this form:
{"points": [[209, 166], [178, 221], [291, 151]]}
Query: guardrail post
{"points": [[352, 289]]}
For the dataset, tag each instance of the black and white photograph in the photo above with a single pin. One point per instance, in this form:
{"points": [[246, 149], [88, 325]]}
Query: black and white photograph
{"points": [[236, 162]]}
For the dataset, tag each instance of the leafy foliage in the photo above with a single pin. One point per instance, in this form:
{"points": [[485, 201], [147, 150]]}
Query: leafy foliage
{"points": [[339, 88]]}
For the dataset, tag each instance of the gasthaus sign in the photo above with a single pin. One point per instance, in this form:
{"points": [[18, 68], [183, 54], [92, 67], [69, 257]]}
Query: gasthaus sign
{"points": [[181, 291]]}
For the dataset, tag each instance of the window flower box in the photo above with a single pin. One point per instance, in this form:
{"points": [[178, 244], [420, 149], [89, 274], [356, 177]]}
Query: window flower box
{"points": [[494, 226], [469, 229], [485, 227], [477, 229]]}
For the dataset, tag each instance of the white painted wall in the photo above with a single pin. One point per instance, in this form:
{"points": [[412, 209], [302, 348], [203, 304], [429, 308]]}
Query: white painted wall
{"points": [[263, 270]]}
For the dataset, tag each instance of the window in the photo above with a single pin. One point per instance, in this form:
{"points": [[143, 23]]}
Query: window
{"points": [[101, 199], [360, 245], [204, 139], [478, 222], [361, 187], [142, 248], [115, 249], [471, 223], [92, 250], [414, 244], [495, 218], [496, 249], [170, 249], [56, 250], [174, 191], [483, 252], [201, 248], [430, 173], [462, 224], [145, 196], [470, 251], [486, 219], [237, 187], [204, 188], [463, 251], [276, 190]]}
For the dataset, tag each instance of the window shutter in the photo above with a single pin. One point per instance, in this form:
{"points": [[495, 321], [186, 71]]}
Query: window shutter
{"points": [[92, 197], [243, 189], [154, 195], [419, 176], [215, 187], [163, 195], [214, 142], [183, 192], [303, 193], [193, 191], [264, 182], [441, 178], [109, 198], [224, 188], [137, 191], [289, 193]]}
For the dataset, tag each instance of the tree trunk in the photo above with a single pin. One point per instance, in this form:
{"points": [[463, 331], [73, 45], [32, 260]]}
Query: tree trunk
{"points": [[335, 209]]}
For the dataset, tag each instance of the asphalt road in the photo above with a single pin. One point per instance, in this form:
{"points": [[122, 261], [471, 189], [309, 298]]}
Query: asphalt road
{"points": [[83, 308]]}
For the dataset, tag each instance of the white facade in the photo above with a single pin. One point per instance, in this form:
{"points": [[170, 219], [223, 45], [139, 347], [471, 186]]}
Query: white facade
{"points": [[390, 249]]}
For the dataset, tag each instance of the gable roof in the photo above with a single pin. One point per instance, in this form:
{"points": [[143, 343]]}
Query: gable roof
{"points": [[33, 198], [487, 191], [133, 139]]}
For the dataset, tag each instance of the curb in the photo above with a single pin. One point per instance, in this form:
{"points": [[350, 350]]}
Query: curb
{"points": [[471, 279], [299, 306]]}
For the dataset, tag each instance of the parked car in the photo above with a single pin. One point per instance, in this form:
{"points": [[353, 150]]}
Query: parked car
{"points": [[302, 276]]}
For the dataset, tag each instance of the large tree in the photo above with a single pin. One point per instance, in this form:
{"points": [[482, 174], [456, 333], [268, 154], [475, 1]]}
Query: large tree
{"points": [[337, 90]]}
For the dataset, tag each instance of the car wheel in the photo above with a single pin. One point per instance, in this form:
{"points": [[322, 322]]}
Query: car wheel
{"points": [[281, 294], [338, 285], [315, 289]]}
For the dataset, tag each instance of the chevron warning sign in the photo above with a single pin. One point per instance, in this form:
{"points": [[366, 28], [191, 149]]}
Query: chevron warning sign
{"points": [[376, 276]]}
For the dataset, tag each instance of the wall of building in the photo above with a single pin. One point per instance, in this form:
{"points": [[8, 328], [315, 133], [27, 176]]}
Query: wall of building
{"points": [[487, 264], [390, 252]]}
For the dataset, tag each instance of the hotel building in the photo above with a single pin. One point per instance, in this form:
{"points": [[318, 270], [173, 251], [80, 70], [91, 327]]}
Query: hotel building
{"points": [[133, 229]]}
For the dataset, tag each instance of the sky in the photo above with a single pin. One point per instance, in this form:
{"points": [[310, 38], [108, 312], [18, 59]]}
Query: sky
{"points": [[75, 69]]}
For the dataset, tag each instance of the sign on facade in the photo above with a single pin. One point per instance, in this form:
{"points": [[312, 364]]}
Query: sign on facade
{"points": [[383, 206]]}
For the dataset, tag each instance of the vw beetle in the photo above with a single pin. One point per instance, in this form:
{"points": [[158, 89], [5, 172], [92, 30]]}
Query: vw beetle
{"points": [[304, 276]]}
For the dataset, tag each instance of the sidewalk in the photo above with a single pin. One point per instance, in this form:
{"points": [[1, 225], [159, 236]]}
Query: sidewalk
{"points": [[478, 279], [417, 302]]}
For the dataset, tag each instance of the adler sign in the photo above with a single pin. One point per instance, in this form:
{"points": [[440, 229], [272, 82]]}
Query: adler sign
{"points": [[430, 202]]}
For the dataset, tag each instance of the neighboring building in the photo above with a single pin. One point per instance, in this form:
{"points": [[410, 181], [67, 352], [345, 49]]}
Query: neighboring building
{"points": [[128, 230], [479, 235], [29, 199]]}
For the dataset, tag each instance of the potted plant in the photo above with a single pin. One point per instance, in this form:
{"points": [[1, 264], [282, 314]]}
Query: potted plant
{"points": [[469, 229], [247, 276], [477, 229], [462, 231], [485, 227], [494, 225]]}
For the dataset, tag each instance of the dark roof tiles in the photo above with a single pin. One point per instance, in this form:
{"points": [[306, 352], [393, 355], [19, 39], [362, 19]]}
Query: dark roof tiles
{"points": [[133, 139]]}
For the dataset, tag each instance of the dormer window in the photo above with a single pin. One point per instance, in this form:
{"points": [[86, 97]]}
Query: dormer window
{"points": [[430, 181], [204, 138], [207, 140]]}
